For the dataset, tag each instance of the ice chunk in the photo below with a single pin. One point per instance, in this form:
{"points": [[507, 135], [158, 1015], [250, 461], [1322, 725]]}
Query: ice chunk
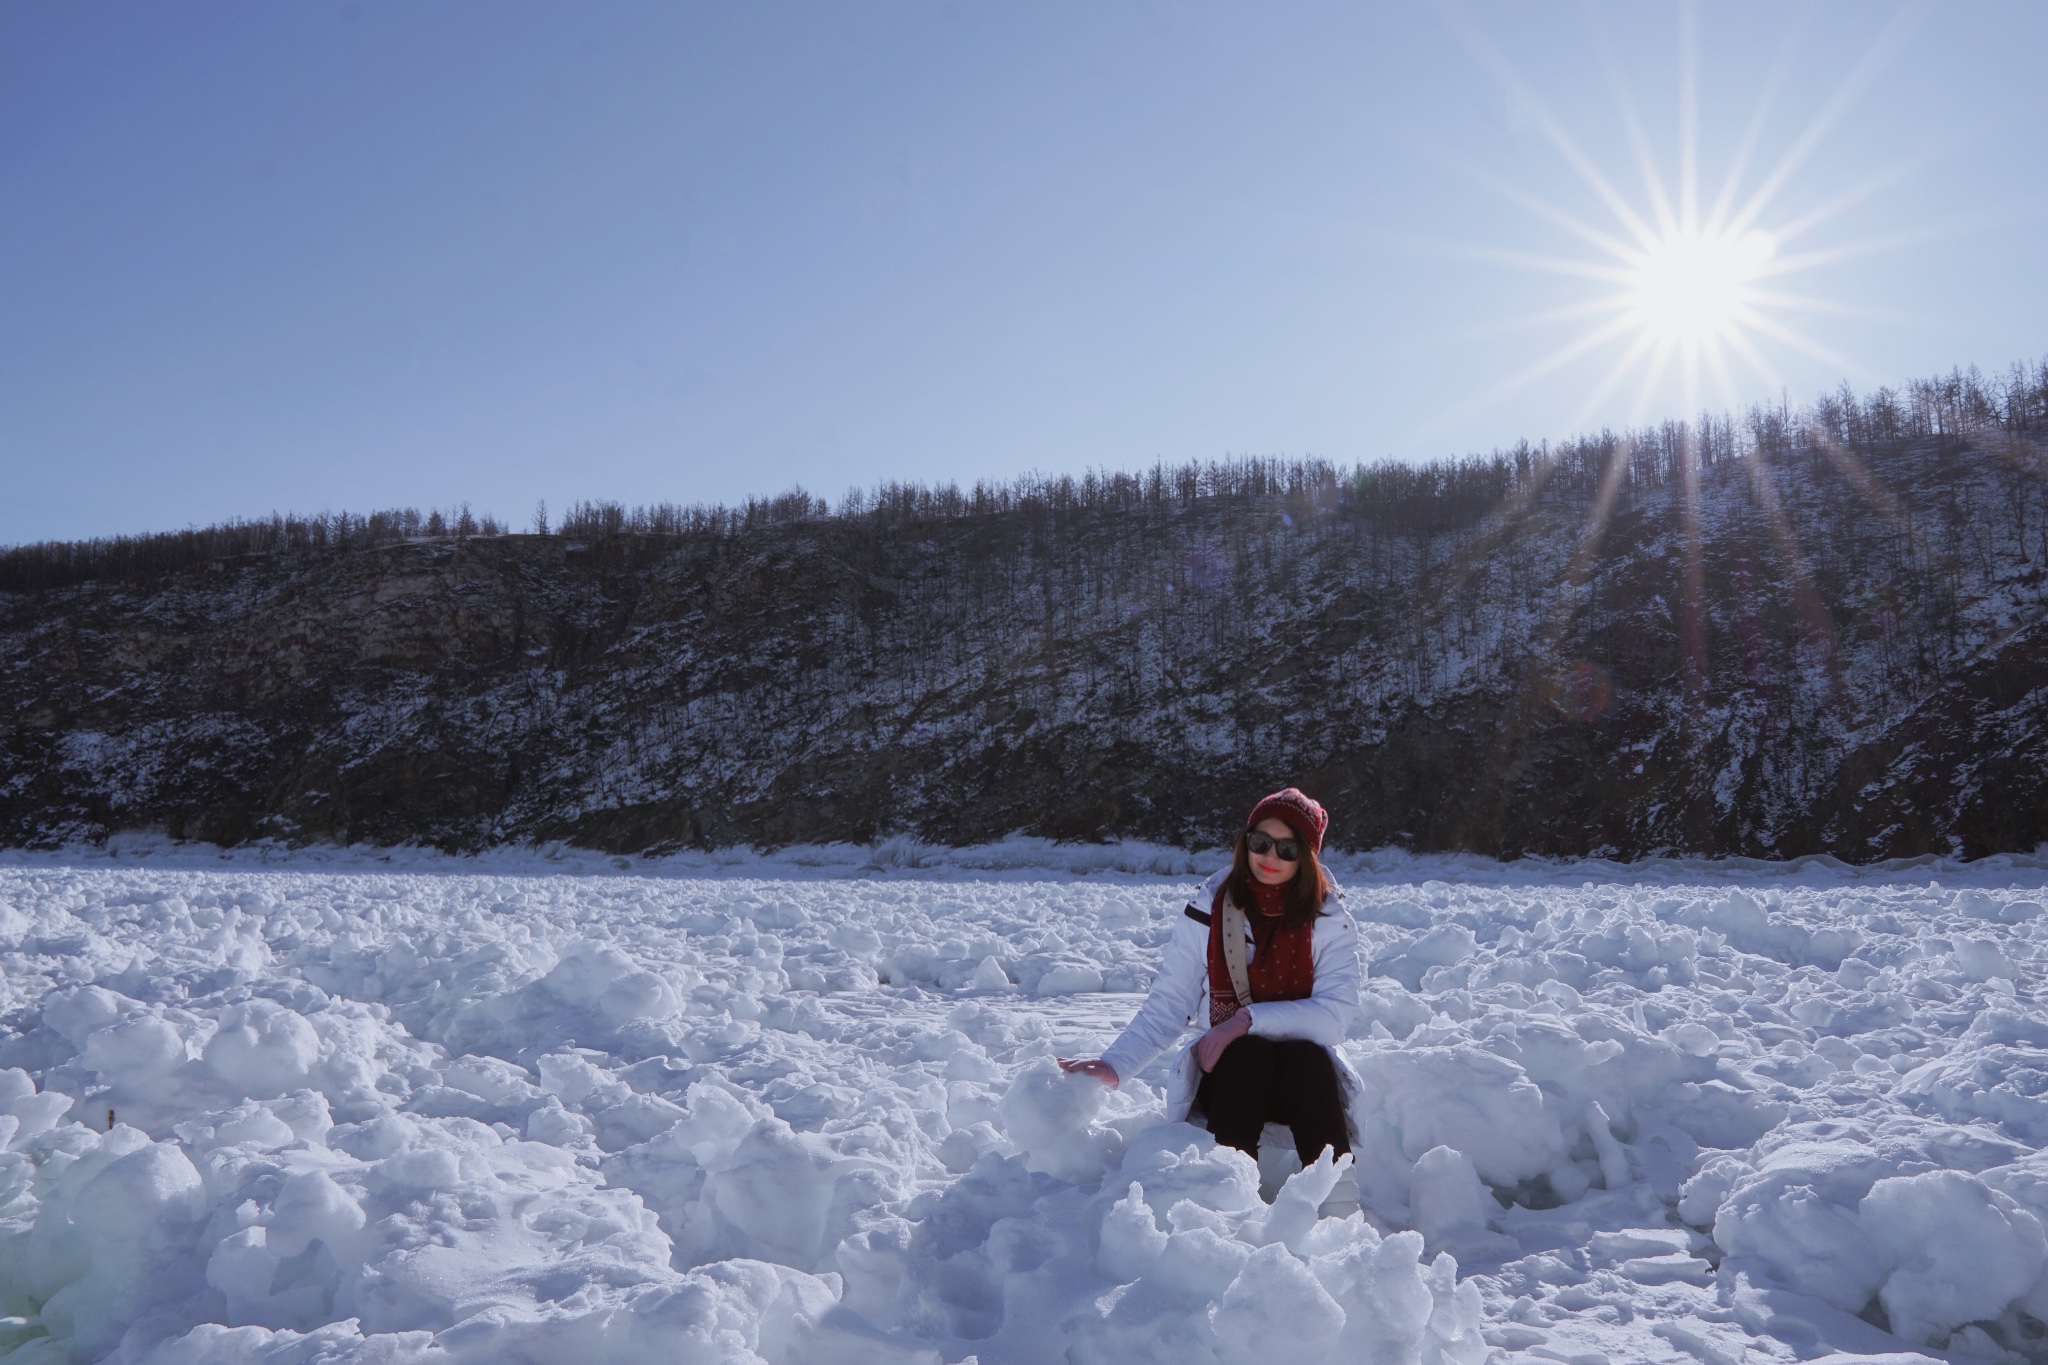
{"points": [[1458, 1096], [1455, 1317], [1701, 1196], [34, 1112], [1295, 1211], [305, 1112], [135, 1050], [598, 977], [1963, 1250], [1069, 978], [1981, 959], [250, 1124], [1997, 1082], [553, 1124], [1275, 1310], [1693, 1038], [1049, 1114], [989, 976], [489, 1078], [215, 1344], [1177, 1162], [115, 1240], [575, 1080], [311, 1205], [1443, 946], [787, 1196], [639, 995], [263, 1049], [15, 1084], [1386, 1300], [1131, 1240], [1798, 1216], [1450, 1205], [1614, 1163], [1199, 1263], [80, 1011]]}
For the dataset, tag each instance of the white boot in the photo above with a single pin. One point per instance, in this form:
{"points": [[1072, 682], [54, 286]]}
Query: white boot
{"points": [[1343, 1200]]}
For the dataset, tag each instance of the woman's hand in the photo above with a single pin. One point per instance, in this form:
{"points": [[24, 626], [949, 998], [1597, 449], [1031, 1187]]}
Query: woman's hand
{"points": [[1101, 1071], [1209, 1047]]}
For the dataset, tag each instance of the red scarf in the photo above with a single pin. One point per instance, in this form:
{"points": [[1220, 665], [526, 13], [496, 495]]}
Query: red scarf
{"points": [[1283, 965]]}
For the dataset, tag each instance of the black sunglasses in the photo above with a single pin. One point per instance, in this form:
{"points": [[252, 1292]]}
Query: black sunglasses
{"points": [[1262, 843]]}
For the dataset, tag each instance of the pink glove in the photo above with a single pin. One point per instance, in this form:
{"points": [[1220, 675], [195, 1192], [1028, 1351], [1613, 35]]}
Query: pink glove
{"points": [[1209, 1048]]}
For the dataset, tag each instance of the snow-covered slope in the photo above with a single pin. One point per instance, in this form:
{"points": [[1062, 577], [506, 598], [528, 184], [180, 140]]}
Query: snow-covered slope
{"points": [[1834, 644], [801, 1109]]}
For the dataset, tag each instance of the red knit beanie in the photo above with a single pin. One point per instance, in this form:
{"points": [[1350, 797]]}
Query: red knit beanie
{"points": [[1301, 813]]}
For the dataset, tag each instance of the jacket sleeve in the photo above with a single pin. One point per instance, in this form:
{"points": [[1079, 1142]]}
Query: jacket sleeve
{"points": [[1326, 1015], [1178, 990]]}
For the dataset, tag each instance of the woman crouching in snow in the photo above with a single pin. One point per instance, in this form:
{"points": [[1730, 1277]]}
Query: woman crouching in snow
{"points": [[1268, 960]]}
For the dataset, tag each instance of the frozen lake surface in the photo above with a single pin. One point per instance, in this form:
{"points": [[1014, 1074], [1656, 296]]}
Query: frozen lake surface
{"points": [[801, 1109]]}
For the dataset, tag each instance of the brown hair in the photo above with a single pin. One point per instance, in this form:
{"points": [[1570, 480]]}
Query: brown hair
{"points": [[1304, 895]]}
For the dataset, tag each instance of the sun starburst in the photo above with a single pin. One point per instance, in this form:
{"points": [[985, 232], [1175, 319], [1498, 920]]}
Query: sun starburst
{"points": [[1675, 279], [1691, 281]]}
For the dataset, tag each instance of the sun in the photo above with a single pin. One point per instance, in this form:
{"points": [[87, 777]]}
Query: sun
{"points": [[1694, 289], [1688, 278]]}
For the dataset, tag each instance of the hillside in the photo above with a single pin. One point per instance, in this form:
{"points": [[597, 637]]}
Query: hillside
{"points": [[1795, 633]]}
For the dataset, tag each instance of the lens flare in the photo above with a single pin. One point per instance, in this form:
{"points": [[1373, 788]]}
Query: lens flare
{"points": [[1578, 691], [1206, 567]]}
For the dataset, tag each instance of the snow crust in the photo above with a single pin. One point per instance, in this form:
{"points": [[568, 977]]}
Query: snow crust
{"points": [[802, 1108]]}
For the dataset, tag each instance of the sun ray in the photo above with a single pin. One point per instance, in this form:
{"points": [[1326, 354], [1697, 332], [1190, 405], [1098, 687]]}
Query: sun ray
{"points": [[1929, 155], [1868, 246], [1556, 360], [1688, 118], [1874, 60], [1806, 345], [1846, 200], [1498, 525], [1701, 290], [1692, 597], [1872, 492], [1768, 372], [1632, 125], [1752, 135], [1813, 303], [1653, 375], [1622, 368], [1586, 554], [1563, 606], [1570, 312], [1544, 209], [1718, 365], [1533, 260], [1815, 621], [1498, 66]]}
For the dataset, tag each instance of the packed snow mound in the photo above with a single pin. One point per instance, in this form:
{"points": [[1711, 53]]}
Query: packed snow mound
{"points": [[384, 1114]]}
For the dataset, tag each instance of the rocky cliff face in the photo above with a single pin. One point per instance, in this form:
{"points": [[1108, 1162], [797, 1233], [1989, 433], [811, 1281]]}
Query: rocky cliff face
{"points": [[1803, 646]]}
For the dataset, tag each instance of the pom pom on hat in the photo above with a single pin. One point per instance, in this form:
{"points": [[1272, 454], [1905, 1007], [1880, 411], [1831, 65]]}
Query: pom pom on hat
{"points": [[1301, 813]]}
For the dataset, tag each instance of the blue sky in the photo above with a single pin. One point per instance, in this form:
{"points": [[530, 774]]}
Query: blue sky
{"points": [[365, 253]]}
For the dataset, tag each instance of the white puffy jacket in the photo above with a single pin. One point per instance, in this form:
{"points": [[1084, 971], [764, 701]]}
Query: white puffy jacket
{"points": [[1180, 997]]}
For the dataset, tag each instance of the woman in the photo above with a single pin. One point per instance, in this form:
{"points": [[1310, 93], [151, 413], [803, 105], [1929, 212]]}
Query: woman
{"points": [[1270, 968]]}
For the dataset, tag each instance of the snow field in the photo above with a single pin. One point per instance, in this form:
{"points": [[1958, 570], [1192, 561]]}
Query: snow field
{"points": [[1676, 1113]]}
